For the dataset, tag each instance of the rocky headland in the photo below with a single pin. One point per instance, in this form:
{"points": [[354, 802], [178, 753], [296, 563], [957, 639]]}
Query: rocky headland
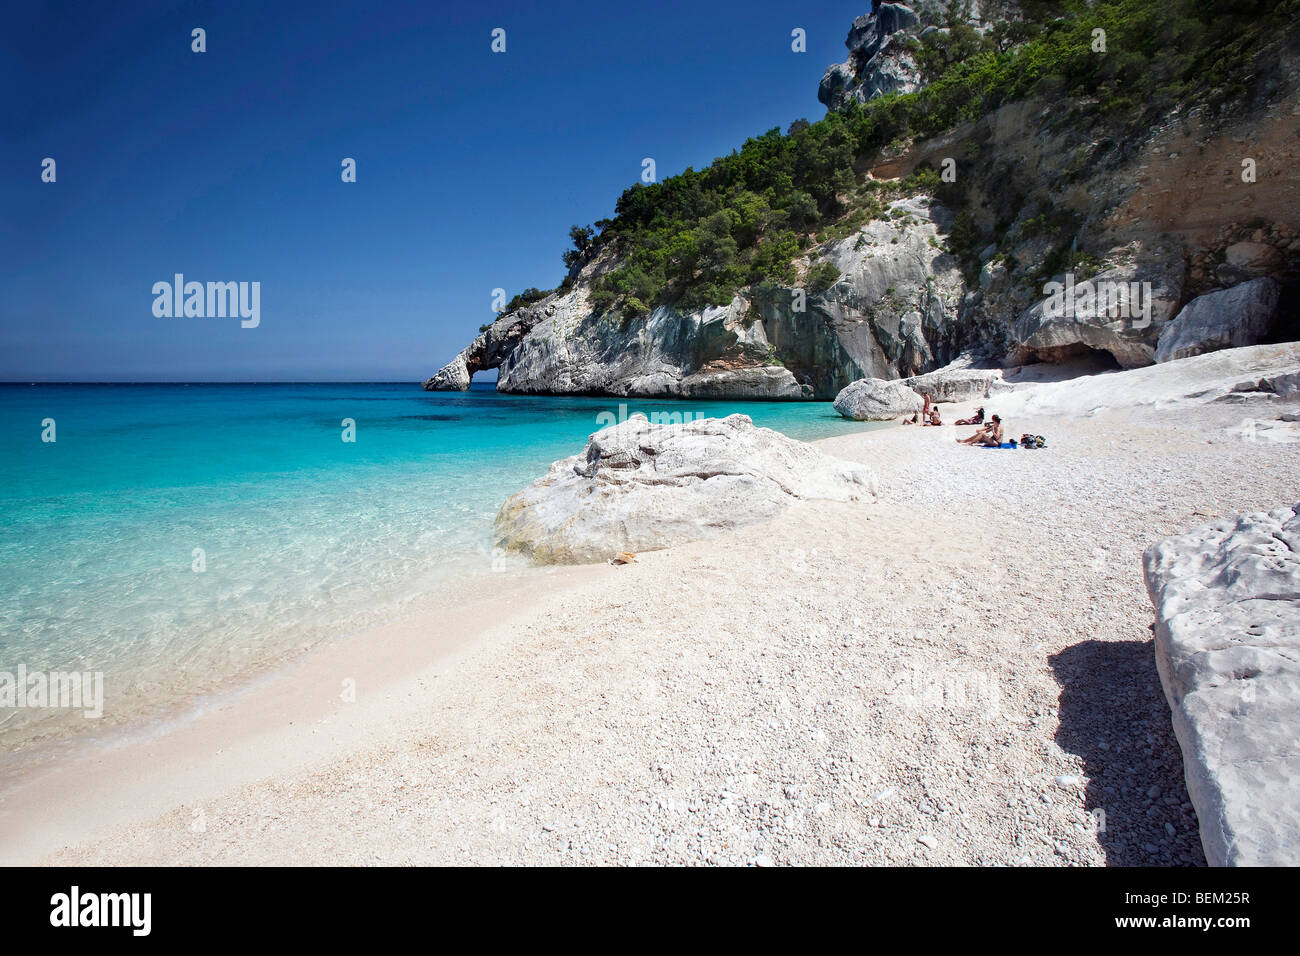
{"points": [[1052, 225]]}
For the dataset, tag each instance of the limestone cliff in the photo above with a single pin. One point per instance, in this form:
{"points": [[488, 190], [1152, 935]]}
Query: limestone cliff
{"points": [[892, 308], [1133, 221]]}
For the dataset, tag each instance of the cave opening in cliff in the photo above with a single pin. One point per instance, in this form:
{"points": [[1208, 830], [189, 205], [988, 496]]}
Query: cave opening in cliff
{"points": [[1074, 354], [1286, 327]]}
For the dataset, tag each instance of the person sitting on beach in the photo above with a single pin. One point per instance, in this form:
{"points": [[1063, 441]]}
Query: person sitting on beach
{"points": [[990, 434], [928, 415], [976, 419]]}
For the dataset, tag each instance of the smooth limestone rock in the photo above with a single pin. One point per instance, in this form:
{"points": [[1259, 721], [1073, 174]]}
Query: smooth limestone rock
{"points": [[1227, 600], [764, 382], [1231, 318], [898, 295], [877, 400], [639, 486], [957, 382]]}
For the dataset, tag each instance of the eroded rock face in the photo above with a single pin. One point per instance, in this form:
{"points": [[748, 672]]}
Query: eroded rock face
{"points": [[1121, 311], [895, 307], [640, 487], [487, 351], [1228, 319], [714, 353], [892, 312], [877, 400], [1227, 601], [455, 376]]}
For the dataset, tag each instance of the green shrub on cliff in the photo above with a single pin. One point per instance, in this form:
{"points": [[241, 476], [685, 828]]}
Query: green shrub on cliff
{"points": [[525, 298], [822, 276]]}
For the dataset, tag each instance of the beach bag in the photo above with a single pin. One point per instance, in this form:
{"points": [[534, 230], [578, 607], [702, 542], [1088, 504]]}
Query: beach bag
{"points": [[1033, 441]]}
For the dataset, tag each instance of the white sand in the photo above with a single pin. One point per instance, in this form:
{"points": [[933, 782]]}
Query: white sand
{"points": [[902, 682]]}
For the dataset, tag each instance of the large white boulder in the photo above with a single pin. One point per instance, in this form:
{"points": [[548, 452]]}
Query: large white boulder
{"points": [[1227, 600], [1230, 318], [640, 486], [958, 382], [876, 399]]}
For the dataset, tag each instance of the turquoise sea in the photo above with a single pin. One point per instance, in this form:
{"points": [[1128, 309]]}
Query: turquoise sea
{"points": [[301, 535]]}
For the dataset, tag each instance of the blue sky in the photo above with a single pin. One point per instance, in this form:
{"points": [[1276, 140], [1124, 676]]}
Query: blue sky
{"points": [[225, 166]]}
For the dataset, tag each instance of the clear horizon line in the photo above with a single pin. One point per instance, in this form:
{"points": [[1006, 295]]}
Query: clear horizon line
{"points": [[160, 381]]}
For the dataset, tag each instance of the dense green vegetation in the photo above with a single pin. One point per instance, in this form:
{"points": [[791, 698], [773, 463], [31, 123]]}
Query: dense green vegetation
{"points": [[695, 238]]}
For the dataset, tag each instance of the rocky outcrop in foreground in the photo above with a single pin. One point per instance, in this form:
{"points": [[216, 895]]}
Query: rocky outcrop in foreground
{"points": [[640, 487], [1227, 600]]}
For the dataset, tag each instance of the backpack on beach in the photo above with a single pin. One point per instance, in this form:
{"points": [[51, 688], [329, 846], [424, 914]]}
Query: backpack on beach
{"points": [[1032, 441]]}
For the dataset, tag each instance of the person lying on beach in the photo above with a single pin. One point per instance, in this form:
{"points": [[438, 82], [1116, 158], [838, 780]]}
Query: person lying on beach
{"points": [[976, 419], [990, 434]]}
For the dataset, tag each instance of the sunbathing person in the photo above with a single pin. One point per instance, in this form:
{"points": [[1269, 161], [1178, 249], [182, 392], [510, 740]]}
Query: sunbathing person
{"points": [[976, 419], [934, 417], [990, 434]]}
